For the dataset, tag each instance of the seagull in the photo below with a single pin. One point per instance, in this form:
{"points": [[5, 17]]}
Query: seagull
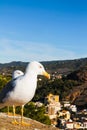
{"points": [[21, 90], [15, 74]]}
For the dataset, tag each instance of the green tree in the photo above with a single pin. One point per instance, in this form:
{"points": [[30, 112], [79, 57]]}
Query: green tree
{"points": [[36, 113]]}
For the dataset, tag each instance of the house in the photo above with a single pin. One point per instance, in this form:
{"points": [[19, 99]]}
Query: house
{"points": [[78, 125], [66, 103], [85, 124], [38, 104], [64, 113], [52, 109], [53, 106], [52, 98], [69, 125], [73, 108], [59, 76]]}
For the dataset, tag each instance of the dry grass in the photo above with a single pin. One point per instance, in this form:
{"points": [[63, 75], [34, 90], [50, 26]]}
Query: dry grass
{"points": [[6, 124]]}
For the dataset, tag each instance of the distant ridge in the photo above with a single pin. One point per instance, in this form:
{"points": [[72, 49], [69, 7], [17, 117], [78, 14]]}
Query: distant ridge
{"points": [[60, 66], [13, 63]]}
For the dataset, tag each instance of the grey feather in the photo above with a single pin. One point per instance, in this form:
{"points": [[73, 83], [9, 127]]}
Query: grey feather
{"points": [[8, 88]]}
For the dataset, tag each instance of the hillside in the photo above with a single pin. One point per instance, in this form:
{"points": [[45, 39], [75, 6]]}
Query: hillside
{"points": [[78, 95], [64, 67], [74, 70], [5, 124]]}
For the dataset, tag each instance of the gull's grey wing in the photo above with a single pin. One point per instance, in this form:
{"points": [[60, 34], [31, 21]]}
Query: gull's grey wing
{"points": [[8, 88]]}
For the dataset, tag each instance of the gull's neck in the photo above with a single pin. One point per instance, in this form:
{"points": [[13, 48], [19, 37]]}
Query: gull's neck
{"points": [[30, 73]]}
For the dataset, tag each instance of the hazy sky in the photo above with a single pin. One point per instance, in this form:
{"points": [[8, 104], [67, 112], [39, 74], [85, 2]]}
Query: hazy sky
{"points": [[42, 30]]}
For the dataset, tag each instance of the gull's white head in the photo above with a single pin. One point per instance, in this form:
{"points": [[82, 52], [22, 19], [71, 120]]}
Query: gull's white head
{"points": [[17, 73], [38, 68]]}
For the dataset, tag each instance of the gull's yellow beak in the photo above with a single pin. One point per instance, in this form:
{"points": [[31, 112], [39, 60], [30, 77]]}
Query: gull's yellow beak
{"points": [[46, 74]]}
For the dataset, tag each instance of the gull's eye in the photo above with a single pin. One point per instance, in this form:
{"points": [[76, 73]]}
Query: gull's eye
{"points": [[18, 72], [40, 67]]}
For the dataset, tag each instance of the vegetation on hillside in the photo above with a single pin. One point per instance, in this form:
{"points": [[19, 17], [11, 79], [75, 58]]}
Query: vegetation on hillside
{"points": [[4, 80], [61, 87]]}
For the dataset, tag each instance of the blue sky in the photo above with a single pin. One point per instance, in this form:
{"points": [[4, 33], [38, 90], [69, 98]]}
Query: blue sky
{"points": [[42, 30]]}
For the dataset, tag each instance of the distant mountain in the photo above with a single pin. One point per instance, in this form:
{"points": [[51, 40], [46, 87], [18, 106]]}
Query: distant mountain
{"points": [[60, 67], [8, 68], [66, 65], [14, 63]]}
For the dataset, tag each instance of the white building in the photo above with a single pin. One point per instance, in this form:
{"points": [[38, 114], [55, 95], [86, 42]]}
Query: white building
{"points": [[73, 108], [85, 124], [66, 103], [69, 125], [53, 108]]}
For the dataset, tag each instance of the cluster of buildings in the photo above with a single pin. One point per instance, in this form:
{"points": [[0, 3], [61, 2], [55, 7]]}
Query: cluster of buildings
{"points": [[64, 115]]}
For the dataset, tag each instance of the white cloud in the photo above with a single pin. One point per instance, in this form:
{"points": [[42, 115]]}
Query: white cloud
{"points": [[12, 50]]}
